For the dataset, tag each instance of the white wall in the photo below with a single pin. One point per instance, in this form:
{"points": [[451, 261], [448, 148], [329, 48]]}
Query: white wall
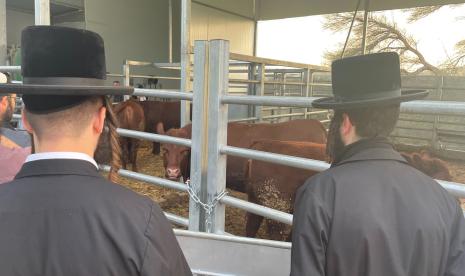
{"points": [[209, 23], [136, 29], [15, 23]]}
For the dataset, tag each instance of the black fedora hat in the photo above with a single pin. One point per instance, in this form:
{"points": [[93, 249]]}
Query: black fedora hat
{"points": [[367, 80], [61, 67]]}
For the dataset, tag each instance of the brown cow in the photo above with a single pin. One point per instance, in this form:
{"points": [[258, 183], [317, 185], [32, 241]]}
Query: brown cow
{"points": [[274, 185], [242, 135], [157, 111], [429, 165], [130, 115]]}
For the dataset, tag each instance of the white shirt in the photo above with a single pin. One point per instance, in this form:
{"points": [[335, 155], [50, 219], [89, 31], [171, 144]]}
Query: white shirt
{"points": [[61, 155]]}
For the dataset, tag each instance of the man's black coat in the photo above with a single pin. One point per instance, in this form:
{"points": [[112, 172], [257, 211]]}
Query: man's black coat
{"points": [[60, 217], [373, 214]]}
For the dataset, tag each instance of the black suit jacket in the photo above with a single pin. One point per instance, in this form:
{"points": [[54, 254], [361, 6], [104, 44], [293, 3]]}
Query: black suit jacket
{"points": [[373, 214], [60, 217]]}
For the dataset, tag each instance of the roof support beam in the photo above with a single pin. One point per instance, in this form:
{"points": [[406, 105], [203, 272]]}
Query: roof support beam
{"points": [[365, 26], [42, 12]]}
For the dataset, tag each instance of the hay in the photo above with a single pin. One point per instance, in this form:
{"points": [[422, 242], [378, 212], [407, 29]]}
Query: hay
{"points": [[178, 202]]}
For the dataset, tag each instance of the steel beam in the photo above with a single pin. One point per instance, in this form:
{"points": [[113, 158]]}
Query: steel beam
{"points": [[3, 42], [185, 57], [217, 131], [200, 128], [42, 12]]}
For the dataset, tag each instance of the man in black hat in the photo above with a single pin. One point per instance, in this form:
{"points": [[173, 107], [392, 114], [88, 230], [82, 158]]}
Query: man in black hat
{"points": [[15, 145], [59, 216], [371, 213]]}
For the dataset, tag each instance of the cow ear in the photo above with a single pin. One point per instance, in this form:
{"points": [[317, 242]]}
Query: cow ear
{"points": [[160, 128]]}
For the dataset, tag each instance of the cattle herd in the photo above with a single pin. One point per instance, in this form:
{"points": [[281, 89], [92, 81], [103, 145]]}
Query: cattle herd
{"points": [[265, 183]]}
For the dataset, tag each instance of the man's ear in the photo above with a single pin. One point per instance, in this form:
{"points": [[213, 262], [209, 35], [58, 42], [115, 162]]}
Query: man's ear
{"points": [[26, 124], [99, 120], [3, 103], [346, 125]]}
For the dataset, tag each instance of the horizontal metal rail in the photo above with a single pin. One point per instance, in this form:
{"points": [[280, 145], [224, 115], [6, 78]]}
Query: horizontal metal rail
{"points": [[178, 220], [148, 178], [267, 61], [163, 93], [457, 189], [258, 209], [277, 116], [243, 120], [287, 160], [417, 107], [154, 137], [269, 100], [10, 68], [244, 240], [434, 107]]}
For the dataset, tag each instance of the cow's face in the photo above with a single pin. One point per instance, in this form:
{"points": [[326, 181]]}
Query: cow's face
{"points": [[175, 160], [175, 157]]}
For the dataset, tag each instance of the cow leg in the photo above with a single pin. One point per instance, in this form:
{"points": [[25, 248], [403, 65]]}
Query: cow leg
{"points": [[276, 230], [125, 153], [134, 147], [252, 225], [156, 148]]}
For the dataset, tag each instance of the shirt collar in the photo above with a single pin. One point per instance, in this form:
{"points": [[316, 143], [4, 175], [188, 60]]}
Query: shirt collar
{"points": [[369, 149], [61, 155]]}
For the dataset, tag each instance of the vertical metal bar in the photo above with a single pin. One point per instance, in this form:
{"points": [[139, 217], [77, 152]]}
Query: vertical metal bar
{"points": [[185, 57], [42, 12], [251, 87], [170, 34], [3, 43], [434, 139], [127, 77], [307, 88], [217, 129], [365, 26], [199, 127], [260, 90]]}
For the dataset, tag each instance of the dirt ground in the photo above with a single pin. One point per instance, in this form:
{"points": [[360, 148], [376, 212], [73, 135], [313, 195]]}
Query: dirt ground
{"points": [[177, 202]]}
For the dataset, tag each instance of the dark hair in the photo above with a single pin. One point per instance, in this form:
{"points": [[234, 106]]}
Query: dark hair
{"points": [[369, 122], [372, 122]]}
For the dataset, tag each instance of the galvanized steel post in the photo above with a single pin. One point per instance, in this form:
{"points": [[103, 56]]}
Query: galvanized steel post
{"points": [[185, 57], [42, 12], [260, 90], [3, 43], [218, 82], [199, 134]]}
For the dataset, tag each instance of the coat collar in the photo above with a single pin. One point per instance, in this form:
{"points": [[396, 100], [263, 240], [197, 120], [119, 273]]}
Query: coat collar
{"points": [[369, 149], [57, 167]]}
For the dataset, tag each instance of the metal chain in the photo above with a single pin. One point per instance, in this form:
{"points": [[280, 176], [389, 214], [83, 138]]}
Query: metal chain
{"points": [[208, 207]]}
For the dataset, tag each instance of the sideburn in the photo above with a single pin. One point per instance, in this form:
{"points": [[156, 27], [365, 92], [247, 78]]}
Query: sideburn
{"points": [[334, 145]]}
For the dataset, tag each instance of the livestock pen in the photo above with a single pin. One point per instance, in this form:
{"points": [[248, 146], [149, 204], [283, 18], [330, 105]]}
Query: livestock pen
{"points": [[207, 186], [215, 71]]}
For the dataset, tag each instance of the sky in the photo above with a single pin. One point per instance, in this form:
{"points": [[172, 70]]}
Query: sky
{"points": [[304, 40]]}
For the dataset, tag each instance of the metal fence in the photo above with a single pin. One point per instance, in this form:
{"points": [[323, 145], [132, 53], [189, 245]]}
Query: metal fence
{"points": [[207, 188]]}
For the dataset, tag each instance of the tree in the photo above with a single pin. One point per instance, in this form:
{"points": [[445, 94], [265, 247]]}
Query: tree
{"points": [[385, 35]]}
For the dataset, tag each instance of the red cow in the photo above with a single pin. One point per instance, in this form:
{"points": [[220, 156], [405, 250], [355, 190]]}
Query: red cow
{"points": [[130, 115], [429, 165], [242, 135], [274, 185], [166, 112]]}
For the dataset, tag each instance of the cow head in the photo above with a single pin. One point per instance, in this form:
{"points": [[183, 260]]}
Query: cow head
{"points": [[176, 158], [429, 165]]}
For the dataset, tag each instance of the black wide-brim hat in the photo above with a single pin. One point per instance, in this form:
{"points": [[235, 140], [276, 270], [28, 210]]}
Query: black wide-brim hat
{"points": [[366, 81], [61, 68]]}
